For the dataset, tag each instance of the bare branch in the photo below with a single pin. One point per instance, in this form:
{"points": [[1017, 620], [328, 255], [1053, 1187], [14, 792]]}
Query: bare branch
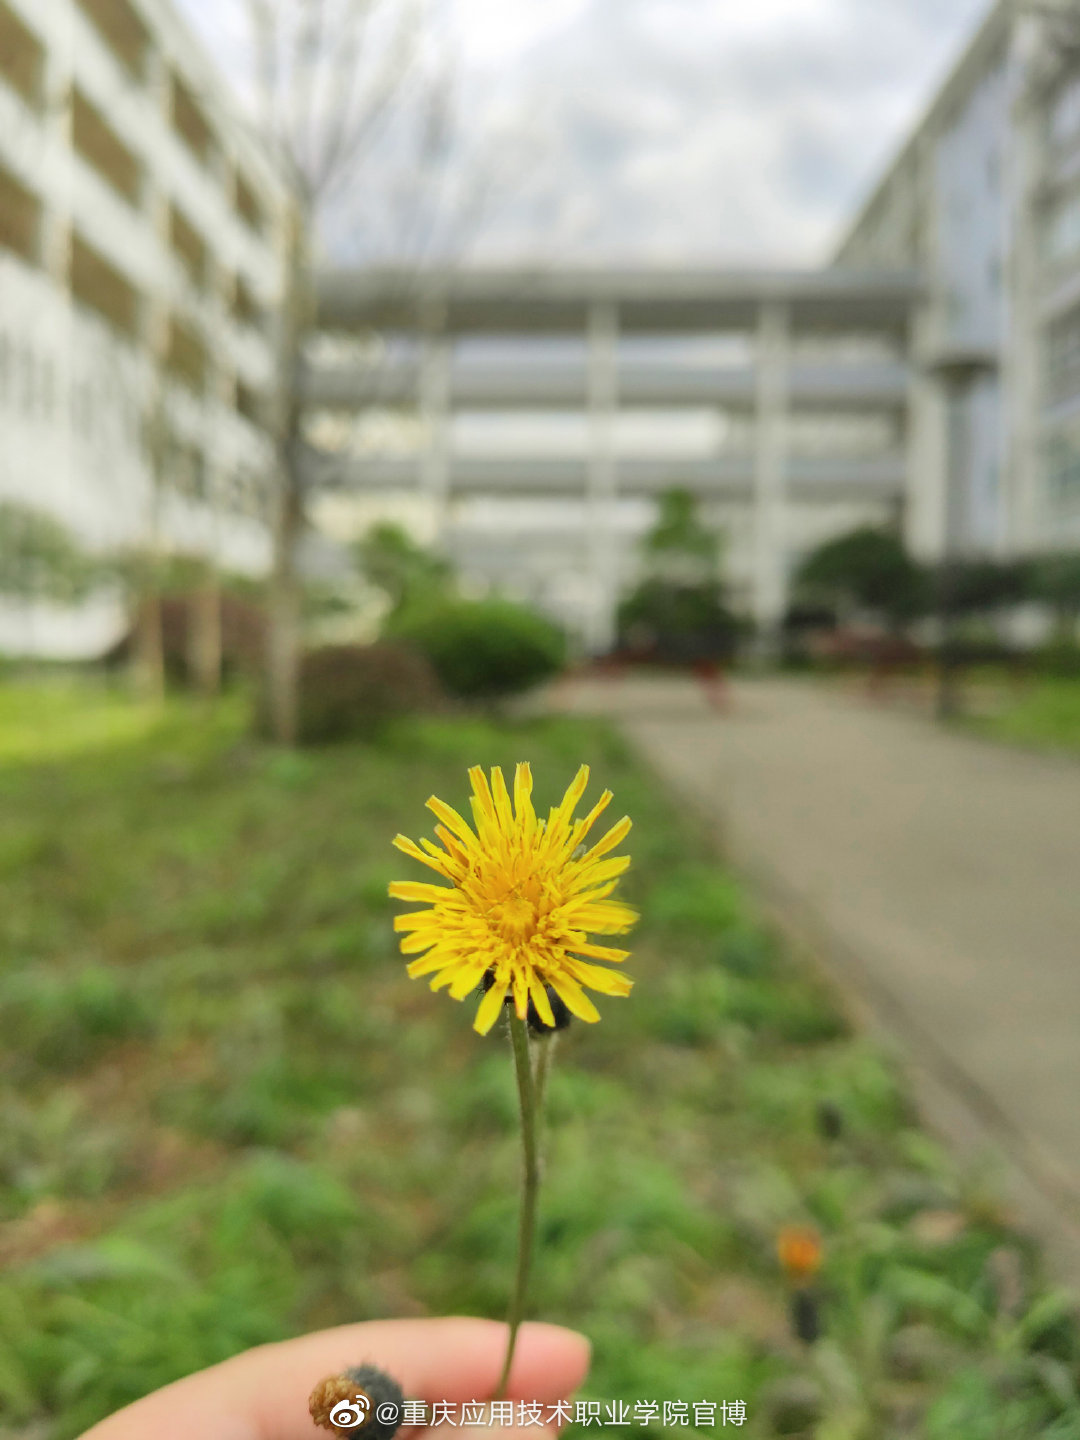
{"points": [[355, 117]]}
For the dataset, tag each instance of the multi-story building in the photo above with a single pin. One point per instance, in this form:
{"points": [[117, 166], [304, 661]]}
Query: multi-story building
{"points": [[550, 409], [984, 200], [141, 258]]}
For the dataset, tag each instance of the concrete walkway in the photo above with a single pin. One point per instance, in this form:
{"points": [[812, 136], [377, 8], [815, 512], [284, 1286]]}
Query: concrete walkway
{"points": [[940, 874]]}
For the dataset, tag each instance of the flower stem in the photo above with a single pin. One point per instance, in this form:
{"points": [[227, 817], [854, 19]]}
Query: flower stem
{"points": [[544, 1045], [529, 1189]]}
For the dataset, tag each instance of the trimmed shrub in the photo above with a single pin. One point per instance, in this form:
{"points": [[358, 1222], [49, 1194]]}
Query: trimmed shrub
{"points": [[866, 569], [352, 691], [673, 623], [482, 649]]}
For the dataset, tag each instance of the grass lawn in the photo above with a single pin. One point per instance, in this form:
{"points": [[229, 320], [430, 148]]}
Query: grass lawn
{"points": [[1044, 714], [228, 1116]]}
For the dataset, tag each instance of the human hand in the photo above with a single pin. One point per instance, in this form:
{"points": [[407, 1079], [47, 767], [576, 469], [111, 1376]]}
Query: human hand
{"points": [[263, 1394]]}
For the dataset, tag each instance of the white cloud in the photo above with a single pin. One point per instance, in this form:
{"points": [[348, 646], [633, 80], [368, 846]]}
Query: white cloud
{"points": [[703, 130], [494, 32]]}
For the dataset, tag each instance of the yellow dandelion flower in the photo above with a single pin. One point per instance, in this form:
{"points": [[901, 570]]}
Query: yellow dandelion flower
{"points": [[521, 902]]}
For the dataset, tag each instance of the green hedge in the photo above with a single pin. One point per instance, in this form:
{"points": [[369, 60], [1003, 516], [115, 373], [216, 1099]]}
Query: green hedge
{"points": [[482, 649], [351, 691]]}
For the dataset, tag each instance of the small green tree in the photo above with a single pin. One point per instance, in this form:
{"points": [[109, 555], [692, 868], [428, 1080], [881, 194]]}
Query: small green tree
{"points": [[680, 540], [866, 569], [977, 587], [408, 574], [678, 612]]}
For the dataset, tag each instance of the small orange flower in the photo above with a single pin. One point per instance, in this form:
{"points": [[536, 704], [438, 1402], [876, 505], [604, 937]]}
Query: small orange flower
{"points": [[800, 1251]]}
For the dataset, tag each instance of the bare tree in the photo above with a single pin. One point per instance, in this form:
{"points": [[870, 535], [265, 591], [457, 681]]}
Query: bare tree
{"points": [[1059, 39], [328, 74]]}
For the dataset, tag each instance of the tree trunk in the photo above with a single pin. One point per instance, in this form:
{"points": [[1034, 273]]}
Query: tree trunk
{"points": [[283, 658], [283, 650], [149, 650], [205, 638]]}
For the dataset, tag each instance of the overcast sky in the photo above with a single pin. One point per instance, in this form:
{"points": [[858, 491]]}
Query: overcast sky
{"points": [[715, 131]]}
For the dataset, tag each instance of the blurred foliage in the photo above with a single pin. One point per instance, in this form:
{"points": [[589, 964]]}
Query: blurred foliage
{"points": [[980, 586], [407, 574], [674, 622], [1055, 579], [483, 649], [865, 569], [678, 613], [40, 558], [679, 532], [351, 691], [139, 567], [228, 1116]]}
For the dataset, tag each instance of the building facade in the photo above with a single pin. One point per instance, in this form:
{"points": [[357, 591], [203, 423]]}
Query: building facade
{"points": [[536, 416], [141, 262], [984, 200]]}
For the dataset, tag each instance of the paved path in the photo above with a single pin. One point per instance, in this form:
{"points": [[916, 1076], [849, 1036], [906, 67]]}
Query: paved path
{"points": [[943, 871]]}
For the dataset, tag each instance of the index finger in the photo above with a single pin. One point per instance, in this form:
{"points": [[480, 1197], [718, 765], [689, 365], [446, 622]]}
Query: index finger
{"points": [[263, 1394]]}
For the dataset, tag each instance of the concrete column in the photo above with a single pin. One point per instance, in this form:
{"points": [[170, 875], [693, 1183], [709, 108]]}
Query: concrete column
{"points": [[1025, 157], [435, 362], [927, 446], [55, 254], [56, 219], [155, 323], [927, 457], [601, 484], [770, 467]]}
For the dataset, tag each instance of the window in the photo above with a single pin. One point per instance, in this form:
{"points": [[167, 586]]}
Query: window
{"points": [[1063, 357], [189, 121], [245, 307], [250, 403], [101, 147], [20, 218], [1063, 472], [185, 468], [247, 204], [22, 56], [123, 31], [46, 387], [189, 246], [839, 434], [1065, 112], [100, 286], [185, 355], [1063, 229], [245, 493]]}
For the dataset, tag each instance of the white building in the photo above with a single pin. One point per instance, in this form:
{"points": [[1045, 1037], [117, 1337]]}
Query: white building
{"points": [[549, 409], [141, 252], [984, 200]]}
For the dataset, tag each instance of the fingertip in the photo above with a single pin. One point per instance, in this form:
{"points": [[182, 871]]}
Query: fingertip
{"points": [[548, 1359], [570, 1345]]}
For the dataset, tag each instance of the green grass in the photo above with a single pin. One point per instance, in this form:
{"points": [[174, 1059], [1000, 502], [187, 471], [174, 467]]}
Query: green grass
{"points": [[1043, 715], [227, 1116]]}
